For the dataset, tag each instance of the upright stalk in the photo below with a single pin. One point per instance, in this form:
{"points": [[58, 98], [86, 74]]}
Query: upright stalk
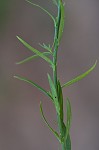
{"points": [[56, 46], [55, 93], [55, 64]]}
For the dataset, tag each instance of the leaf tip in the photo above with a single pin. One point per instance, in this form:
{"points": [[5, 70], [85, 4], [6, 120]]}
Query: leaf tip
{"points": [[15, 76], [17, 36], [96, 62], [48, 74], [27, 1], [17, 63]]}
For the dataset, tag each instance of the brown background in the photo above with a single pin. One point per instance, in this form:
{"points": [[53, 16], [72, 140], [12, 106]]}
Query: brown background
{"points": [[21, 126]]}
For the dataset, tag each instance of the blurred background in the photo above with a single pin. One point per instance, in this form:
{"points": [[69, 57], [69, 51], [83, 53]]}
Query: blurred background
{"points": [[21, 125]]}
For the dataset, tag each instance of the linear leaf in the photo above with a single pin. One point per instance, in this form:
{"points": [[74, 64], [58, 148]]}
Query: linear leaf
{"points": [[34, 84], [36, 52], [53, 131], [62, 18], [42, 9], [60, 98], [80, 77], [54, 94], [30, 58], [68, 119], [69, 113]]}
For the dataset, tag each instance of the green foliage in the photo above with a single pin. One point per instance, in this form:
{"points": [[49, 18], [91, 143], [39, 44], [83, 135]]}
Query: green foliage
{"points": [[48, 48], [55, 92], [53, 131], [38, 53], [60, 99], [62, 19], [42, 9], [34, 84], [31, 57], [69, 114], [68, 119], [68, 143], [80, 77]]}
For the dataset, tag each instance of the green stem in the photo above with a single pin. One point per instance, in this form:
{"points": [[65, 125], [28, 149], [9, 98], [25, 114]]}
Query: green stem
{"points": [[56, 45], [55, 63], [63, 146]]}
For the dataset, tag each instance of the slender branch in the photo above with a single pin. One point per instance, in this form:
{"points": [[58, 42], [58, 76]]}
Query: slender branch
{"points": [[42, 9]]}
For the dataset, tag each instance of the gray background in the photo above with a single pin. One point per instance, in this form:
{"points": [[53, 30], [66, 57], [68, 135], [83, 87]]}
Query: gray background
{"points": [[21, 126]]}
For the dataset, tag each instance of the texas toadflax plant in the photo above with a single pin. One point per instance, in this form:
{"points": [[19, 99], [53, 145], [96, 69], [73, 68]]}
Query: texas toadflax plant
{"points": [[55, 93]]}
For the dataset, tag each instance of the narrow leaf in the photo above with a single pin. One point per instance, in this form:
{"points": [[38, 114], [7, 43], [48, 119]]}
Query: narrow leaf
{"points": [[54, 94], [80, 77], [34, 84], [31, 57], [68, 118], [53, 131], [69, 113], [42, 9], [60, 98], [36, 52], [62, 18]]}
